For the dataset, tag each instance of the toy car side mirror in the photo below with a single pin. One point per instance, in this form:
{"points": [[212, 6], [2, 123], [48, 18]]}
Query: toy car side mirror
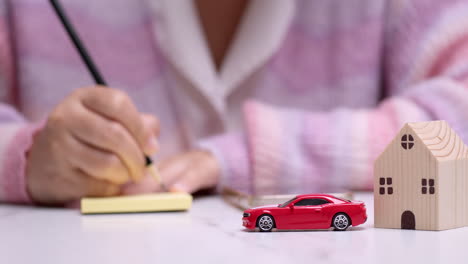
{"points": [[291, 206]]}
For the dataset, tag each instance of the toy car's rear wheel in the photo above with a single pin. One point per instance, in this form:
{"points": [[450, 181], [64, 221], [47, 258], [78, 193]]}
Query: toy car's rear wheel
{"points": [[340, 222], [265, 223]]}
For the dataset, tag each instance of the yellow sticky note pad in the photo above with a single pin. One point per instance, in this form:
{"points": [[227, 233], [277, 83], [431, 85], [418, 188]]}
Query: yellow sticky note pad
{"points": [[157, 202]]}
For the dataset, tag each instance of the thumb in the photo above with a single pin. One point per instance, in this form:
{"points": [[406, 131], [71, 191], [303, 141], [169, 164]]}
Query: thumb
{"points": [[146, 185], [187, 184], [201, 172]]}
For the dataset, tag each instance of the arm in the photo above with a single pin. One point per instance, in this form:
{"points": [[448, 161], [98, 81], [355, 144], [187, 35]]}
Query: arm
{"points": [[426, 73], [87, 146], [16, 133]]}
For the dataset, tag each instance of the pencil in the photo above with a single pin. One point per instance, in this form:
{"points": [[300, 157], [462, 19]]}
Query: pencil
{"points": [[93, 70]]}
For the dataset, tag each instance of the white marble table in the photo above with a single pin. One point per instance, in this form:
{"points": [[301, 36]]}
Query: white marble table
{"points": [[210, 232]]}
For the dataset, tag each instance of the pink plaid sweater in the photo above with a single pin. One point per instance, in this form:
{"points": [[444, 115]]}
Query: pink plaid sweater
{"points": [[310, 92]]}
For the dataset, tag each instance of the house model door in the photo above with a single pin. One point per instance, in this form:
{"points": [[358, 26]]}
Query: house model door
{"points": [[408, 220]]}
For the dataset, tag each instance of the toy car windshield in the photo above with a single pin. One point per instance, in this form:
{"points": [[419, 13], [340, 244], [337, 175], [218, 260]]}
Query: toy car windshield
{"points": [[286, 203]]}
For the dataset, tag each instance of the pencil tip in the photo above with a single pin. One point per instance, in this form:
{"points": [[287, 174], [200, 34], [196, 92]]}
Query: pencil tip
{"points": [[148, 161]]}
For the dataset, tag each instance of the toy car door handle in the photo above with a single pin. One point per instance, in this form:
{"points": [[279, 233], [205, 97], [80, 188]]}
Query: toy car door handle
{"points": [[318, 209]]}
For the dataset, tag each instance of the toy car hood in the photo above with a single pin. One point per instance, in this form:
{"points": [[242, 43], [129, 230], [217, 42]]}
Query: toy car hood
{"points": [[271, 206]]}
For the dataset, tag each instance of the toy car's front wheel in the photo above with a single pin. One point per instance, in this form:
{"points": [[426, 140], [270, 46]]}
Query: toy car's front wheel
{"points": [[340, 222], [265, 223]]}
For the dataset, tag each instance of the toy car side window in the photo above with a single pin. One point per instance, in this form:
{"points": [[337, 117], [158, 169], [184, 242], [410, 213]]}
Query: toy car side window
{"points": [[303, 202], [320, 201], [311, 202]]}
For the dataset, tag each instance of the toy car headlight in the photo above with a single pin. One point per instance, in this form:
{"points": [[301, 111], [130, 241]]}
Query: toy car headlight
{"points": [[246, 215]]}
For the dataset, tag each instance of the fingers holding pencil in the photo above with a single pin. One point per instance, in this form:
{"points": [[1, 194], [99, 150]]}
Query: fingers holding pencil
{"points": [[116, 105], [101, 146], [121, 128]]}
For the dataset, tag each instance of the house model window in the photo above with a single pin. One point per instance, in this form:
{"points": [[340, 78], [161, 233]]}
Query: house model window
{"points": [[407, 141], [382, 182], [424, 186]]}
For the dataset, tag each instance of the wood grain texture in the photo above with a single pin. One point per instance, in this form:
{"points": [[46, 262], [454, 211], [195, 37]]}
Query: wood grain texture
{"points": [[428, 180]]}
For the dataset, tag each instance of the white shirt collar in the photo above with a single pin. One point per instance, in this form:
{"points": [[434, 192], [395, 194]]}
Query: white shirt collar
{"points": [[179, 33]]}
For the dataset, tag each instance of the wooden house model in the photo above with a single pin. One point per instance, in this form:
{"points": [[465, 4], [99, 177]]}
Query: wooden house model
{"points": [[421, 179]]}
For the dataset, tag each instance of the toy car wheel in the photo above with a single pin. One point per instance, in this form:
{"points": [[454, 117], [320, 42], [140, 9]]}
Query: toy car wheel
{"points": [[340, 222], [265, 223]]}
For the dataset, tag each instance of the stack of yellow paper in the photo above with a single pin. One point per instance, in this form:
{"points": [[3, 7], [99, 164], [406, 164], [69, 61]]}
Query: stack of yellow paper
{"points": [[170, 201]]}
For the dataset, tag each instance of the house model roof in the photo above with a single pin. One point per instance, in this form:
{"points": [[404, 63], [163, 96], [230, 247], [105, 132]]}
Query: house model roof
{"points": [[440, 139]]}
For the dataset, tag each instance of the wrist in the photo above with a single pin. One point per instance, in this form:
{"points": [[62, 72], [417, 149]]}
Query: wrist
{"points": [[14, 179], [231, 155]]}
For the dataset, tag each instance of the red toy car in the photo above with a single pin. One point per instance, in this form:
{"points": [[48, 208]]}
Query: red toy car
{"points": [[307, 211]]}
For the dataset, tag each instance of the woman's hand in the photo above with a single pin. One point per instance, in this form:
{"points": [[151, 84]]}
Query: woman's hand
{"points": [[189, 172], [94, 141]]}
